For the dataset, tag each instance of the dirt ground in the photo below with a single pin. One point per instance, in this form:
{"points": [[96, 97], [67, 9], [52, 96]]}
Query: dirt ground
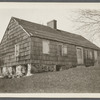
{"points": [[75, 80]]}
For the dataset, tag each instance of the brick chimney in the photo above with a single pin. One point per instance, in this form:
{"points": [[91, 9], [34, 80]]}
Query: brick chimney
{"points": [[52, 24]]}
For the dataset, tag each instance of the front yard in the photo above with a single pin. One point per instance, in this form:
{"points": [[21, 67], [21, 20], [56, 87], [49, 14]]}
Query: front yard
{"points": [[74, 80]]}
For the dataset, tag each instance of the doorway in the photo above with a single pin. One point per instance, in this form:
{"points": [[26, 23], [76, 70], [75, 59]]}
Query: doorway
{"points": [[79, 51]]}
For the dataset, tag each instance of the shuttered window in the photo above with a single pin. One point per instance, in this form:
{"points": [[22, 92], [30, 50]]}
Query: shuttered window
{"points": [[17, 50], [88, 54], [64, 50], [95, 55], [59, 49], [46, 48]]}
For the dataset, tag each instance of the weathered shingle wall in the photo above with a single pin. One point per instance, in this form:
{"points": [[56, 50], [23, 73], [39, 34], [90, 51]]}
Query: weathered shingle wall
{"points": [[15, 35], [52, 58]]}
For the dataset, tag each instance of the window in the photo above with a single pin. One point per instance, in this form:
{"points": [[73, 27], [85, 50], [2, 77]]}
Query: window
{"points": [[64, 50], [46, 47], [59, 49], [17, 50], [88, 54], [95, 55]]}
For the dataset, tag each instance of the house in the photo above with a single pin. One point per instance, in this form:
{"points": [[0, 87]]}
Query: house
{"points": [[43, 48]]}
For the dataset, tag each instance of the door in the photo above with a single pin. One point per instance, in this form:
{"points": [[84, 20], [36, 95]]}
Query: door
{"points": [[79, 55]]}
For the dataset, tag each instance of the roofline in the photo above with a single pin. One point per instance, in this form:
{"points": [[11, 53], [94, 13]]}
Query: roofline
{"points": [[66, 42], [6, 29], [25, 30], [21, 27], [46, 26]]}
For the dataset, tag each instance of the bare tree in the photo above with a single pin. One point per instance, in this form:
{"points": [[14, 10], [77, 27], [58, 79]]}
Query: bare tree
{"points": [[88, 21]]}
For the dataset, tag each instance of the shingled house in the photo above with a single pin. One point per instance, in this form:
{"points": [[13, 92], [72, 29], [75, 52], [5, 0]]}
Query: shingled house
{"points": [[44, 48]]}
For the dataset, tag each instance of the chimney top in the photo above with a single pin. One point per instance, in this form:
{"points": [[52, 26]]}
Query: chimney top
{"points": [[52, 24]]}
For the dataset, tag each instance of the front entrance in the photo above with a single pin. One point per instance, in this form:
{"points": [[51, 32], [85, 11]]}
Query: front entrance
{"points": [[79, 55]]}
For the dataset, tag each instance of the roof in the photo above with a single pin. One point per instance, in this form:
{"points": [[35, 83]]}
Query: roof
{"points": [[43, 31]]}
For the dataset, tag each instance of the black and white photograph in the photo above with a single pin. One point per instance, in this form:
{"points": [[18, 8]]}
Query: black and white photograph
{"points": [[49, 48]]}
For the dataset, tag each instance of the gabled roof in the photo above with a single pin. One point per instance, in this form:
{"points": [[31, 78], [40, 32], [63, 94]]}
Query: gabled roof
{"points": [[43, 31]]}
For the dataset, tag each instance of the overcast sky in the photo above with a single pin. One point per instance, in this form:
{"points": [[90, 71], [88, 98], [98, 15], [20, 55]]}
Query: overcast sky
{"points": [[42, 13]]}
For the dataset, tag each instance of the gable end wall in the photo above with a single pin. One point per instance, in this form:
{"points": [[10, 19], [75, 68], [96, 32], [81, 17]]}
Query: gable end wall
{"points": [[16, 35]]}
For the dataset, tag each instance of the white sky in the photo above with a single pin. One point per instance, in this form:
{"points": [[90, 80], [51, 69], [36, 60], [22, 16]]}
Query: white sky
{"points": [[42, 13]]}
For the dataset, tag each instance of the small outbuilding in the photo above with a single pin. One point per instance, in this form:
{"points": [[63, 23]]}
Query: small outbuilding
{"points": [[39, 48]]}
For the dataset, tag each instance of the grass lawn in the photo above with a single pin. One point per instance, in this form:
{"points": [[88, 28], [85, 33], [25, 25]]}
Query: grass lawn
{"points": [[74, 80]]}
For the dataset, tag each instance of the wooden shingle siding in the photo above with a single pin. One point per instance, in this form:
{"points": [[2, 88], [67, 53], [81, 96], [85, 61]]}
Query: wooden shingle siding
{"points": [[52, 58], [16, 36]]}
